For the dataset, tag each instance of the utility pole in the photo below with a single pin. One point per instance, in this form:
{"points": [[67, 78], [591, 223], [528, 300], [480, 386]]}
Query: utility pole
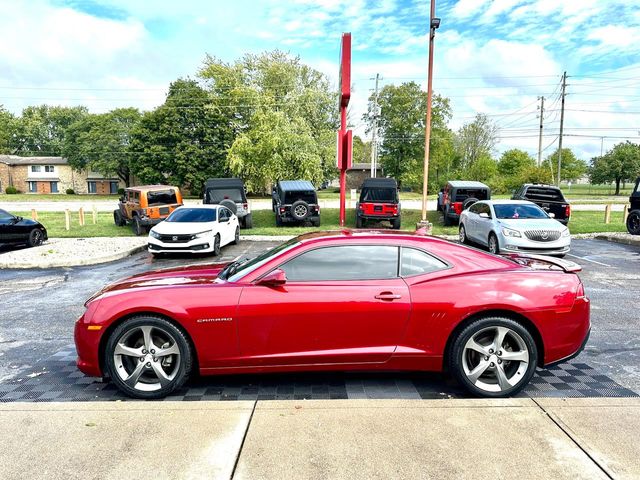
{"points": [[374, 145], [564, 87], [540, 137]]}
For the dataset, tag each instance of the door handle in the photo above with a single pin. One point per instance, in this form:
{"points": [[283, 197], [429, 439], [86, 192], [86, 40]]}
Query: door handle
{"points": [[388, 296]]}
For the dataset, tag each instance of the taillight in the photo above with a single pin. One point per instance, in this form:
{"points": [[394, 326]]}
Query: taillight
{"points": [[457, 207], [282, 209], [580, 293], [246, 206], [567, 211], [361, 207]]}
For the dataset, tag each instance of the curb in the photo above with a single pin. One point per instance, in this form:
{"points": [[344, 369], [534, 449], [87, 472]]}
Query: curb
{"points": [[75, 263], [623, 239]]}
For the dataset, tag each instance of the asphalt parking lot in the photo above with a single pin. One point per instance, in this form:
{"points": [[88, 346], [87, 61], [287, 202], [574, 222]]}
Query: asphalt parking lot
{"points": [[39, 308]]}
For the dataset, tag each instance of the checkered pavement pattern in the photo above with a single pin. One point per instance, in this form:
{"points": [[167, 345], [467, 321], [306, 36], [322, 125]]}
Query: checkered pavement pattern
{"points": [[57, 379]]}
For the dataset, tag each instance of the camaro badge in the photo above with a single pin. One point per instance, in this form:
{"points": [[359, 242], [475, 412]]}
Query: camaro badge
{"points": [[210, 320]]}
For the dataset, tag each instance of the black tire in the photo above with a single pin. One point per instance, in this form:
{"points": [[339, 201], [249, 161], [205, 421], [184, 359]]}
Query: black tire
{"points": [[468, 202], [216, 246], [36, 237], [118, 219], [316, 222], [462, 235], [445, 219], [395, 223], [300, 210], [247, 222], [278, 221], [461, 359], [493, 247], [633, 222], [236, 238], [230, 204], [165, 331], [137, 227], [359, 221]]}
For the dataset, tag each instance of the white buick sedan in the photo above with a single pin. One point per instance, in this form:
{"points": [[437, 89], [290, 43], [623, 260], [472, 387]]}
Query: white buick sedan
{"points": [[514, 226], [195, 229]]}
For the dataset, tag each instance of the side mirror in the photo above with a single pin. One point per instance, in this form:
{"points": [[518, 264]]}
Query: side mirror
{"points": [[484, 215], [276, 278]]}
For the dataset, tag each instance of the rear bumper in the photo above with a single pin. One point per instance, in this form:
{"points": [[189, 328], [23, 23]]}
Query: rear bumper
{"points": [[150, 222], [378, 217], [574, 354], [565, 334]]}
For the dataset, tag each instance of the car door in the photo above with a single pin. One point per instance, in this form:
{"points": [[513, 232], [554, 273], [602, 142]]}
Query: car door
{"points": [[340, 304], [227, 231], [484, 225], [471, 222], [7, 222]]}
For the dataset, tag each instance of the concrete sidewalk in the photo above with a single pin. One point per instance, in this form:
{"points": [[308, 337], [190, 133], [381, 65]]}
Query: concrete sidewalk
{"points": [[512, 438]]}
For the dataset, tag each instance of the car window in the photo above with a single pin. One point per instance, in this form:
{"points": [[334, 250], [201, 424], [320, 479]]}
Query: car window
{"points": [[219, 194], [161, 197], [475, 208], [378, 195], [224, 214], [541, 194], [352, 262], [417, 262], [5, 215], [519, 211], [309, 197], [485, 208]]}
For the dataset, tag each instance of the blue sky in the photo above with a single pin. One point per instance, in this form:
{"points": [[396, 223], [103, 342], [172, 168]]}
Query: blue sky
{"points": [[494, 57]]}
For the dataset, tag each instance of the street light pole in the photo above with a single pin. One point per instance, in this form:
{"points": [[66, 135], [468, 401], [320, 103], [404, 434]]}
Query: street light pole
{"points": [[434, 23]]}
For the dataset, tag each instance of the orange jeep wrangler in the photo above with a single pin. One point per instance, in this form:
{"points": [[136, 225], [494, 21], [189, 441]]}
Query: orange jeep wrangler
{"points": [[146, 206]]}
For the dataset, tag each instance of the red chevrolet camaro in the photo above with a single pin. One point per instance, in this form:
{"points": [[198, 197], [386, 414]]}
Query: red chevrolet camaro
{"points": [[347, 300]]}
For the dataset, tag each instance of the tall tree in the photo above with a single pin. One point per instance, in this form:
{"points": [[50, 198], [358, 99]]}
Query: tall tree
{"points": [[572, 168], [7, 129], [100, 142], [620, 164], [514, 162], [40, 130], [182, 142], [476, 140], [401, 128]]}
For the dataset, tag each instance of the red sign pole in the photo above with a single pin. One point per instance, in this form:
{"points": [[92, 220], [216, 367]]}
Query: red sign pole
{"points": [[344, 144]]}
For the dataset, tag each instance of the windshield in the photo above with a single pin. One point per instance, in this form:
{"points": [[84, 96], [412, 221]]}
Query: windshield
{"points": [[378, 195], [217, 195], [161, 197], [519, 211], [193, 215], [236, 270]]}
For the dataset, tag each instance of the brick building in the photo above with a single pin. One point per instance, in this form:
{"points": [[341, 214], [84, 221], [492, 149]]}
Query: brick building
{"points": [[52, 175], [358, 172]]}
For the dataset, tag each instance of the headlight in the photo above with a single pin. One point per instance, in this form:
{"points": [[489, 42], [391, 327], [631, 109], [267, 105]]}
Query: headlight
{"points": [[203, 234], [565, 232], [507, 232], [154, 234]]}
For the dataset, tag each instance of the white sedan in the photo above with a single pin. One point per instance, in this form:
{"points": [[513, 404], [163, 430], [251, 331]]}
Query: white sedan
{"points": [[514, 226], [195, 229]]}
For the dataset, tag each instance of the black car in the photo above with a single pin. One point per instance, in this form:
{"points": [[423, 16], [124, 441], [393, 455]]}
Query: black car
{"points": [[19, 230], [295, 201], [633, 220], [379, 201], [460, 195], [547, 197], [231, 193]]}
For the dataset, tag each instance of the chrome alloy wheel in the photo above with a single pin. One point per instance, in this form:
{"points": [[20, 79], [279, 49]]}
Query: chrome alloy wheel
{"points": [[495, 359], [147, 358], [301, 211], [462, 234]]}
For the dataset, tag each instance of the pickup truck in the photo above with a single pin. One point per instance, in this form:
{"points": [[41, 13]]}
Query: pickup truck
{"points": [[547, 197]]}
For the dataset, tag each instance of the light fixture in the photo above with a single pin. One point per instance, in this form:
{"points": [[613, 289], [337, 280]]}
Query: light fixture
{"points": [[435, 22]]}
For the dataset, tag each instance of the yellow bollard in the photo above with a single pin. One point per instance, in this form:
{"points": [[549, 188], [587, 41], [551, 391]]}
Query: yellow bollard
{"points": [[625, 215], [607, 214], [34, 214], [94, 213], [81, 217], [67, 219]]}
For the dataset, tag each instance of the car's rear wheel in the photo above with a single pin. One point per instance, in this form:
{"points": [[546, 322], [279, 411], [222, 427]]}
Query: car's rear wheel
{"points": [[137, 227], [247, 222], [494, 246], [118, 219], [395, 223], [316, 222], [278, 220], [633, 222], [36, 237], [236, 238], [446, 221], [359, 221], [493, 357], [462, 234], [148, 357]]}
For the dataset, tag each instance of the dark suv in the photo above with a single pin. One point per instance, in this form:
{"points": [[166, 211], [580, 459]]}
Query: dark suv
{"points": [[379, 201], [231, 193], [547, 197], [633, 220], [295, 201], [460, 195]]}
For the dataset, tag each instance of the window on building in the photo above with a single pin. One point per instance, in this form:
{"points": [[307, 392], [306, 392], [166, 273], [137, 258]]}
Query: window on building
{"points": [[113, 188], [49, 168], [33, 187], [36, 168], [54, 187], [91, 187]]}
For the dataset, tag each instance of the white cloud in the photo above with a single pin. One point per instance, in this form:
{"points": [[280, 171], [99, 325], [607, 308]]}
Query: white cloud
{"points": [[616, 36]]}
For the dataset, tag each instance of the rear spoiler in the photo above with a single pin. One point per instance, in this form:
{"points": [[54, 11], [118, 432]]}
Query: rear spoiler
{"points": [[543, 262]]}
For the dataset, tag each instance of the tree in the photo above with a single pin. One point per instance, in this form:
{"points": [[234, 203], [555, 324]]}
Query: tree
{"points": [[620, 164], [275, 85], [41, 130], [572, 168], [182, 142], [401, 129], [7, 129], [476, 140], [514, 162], [361, 150], [100, 142]]}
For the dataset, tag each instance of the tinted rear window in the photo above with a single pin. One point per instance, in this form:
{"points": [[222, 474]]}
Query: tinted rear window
{"points": [[309, 197], [161, 197], [461, 194], [233, 194], [379, 195], [544, 194]]}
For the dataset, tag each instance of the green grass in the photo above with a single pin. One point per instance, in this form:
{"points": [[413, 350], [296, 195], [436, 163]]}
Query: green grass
{"points": [[264, 224], [55, 197]]}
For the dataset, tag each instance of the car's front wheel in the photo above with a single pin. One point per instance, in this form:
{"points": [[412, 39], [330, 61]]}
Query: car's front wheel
{"points": [[633, 222], [494, 246], [148, 357], [36, 237], [462, 234], [493, 357]]}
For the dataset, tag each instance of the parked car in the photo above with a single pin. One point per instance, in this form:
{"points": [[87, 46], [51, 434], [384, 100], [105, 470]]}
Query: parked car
{"points": [[20, 230], [514, 226], [231, 193], [146, 206], [379, 201], [345, 300], [547, 197], [633, 220], [295, 201], [201, 229], [460, 195]]}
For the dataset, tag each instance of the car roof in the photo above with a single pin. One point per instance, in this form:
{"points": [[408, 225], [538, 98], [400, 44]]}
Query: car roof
{"points": [[544, 185], [507, 202], [224, 182], [364, 234], [203, 205], [296, 185], [380, 182], [146, 188], [467, 184]]}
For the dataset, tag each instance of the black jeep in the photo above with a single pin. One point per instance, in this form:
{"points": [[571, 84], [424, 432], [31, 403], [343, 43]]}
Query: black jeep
{"points": [[547, 197], [295, 201], [460, 195], [633, 220], [379, 201], [231, 193]]}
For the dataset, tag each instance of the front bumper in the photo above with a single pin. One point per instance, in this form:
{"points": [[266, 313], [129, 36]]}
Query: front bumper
{"points": [[197, 245], [562, 246]]}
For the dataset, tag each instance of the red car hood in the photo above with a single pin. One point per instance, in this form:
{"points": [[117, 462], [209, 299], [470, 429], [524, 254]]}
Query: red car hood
{"points": [[191, 275]]}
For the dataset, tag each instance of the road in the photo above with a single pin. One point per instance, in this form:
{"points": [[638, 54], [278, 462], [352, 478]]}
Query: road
{"points": [[40, 306]]}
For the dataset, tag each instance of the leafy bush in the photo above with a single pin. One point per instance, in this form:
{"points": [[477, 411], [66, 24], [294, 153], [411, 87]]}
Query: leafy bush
{"points": [[71, 191], [121, 191], [11, 190]]}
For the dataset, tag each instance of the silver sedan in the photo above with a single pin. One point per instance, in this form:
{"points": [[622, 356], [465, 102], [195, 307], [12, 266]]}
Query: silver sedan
{"points": [[514, 226]]}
